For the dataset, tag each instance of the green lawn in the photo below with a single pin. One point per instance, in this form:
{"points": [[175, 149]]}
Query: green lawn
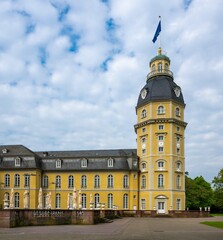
{"points": [[214, 224], [216, 214]]}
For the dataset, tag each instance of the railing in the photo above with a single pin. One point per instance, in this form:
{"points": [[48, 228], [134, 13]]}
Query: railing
{"points": [[160, 72]]}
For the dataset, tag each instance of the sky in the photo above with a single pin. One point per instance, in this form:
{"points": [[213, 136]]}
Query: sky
{"points": [[71, 72]]}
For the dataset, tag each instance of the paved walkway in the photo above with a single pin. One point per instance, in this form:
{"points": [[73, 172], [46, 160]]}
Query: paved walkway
{"points": [[126, 228]]}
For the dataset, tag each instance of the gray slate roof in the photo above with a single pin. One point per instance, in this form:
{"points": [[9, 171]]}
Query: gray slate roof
{"points": [[160, 88]]}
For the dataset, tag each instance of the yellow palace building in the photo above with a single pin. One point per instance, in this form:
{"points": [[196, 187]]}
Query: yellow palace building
{"points": [[150, 177]]}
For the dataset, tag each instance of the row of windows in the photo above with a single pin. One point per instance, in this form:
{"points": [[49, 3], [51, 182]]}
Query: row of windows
{"points": [[161, 149], [160, 67], [160, 181], [178, 204], [83, 200], [97, 181], [161, 166], [160, 127], [57, 183], [160, 110]]}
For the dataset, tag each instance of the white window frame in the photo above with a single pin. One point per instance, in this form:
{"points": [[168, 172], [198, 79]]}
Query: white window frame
{"points": [[161, 110], [178, 204], [96, 200], [7, 180], [16, 200], [160, 181], [110, 201], [26, 180], [161, 127], [17, 162], [143, 182], [144, 113], [84, 200], [110, 162], [110, 181], [58, 181], [58, 201], [125, 201], [178, 182], [161, 165], [58, 163], [70, 181], [160, 149], [83, 181], [143, 204], [125, 181], [96, 181], [45, 181], [17, 180], [84, 163], [161, 137]]}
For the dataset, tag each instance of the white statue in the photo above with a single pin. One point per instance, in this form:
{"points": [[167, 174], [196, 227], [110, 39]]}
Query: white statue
{"points": [[79, 200], [26, 199], [74, 198], [40, 199], [6, 200]]}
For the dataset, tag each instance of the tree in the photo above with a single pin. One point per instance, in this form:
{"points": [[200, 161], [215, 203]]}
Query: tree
{"points": [[198, 193], [218, 191]]}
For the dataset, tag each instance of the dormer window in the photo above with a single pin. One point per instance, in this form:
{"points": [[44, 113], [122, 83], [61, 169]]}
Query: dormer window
{"points": [[4, 150], [110, 162], [161, 110], [17, 161], [58, 163], [84, 163]]}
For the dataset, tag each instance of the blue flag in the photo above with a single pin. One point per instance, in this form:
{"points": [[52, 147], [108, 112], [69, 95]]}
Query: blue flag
{"points": [[158, 30]]}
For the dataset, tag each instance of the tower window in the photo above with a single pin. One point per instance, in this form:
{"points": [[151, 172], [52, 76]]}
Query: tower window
{"points": [[143, 140], [178, 166], [166, 67], [144, 129], [160, 181], [178, 112], [161, 127], [161, 165], [153, 67], [178, 129], [143, 166], [144, 151], [160, 137], [160, 149], [161, 110], [160, 67], [143, 115], [178, 182], [143, 186]]}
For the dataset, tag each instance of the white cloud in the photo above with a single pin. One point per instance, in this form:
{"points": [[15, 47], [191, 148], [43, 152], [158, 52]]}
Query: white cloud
{"points": [[71, 72]]}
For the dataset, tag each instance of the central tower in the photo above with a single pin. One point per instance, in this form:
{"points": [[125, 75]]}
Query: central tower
{"points": [[160, 139]]}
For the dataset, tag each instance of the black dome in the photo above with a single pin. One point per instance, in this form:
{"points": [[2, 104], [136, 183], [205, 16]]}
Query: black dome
{"points": [[160, 88]]}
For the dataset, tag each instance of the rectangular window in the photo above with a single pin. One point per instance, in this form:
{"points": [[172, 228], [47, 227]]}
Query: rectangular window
{"points": [[161, 127], [17, 162], [26, 181], [144, 151], [160, 137], [143, 204], [144, 129], [84, 163], [160, 149], [58, 163], [178, 204]]}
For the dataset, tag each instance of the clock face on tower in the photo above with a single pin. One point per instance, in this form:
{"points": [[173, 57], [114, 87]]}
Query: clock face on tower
{"points": [[177, 91], [143, 93]]}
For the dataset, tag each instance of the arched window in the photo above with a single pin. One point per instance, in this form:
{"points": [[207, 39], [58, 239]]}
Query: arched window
{"points": [[166, 67], [110, 162], [84, 163], [160, 181], [143, 181], [178, 183], [143, 113], [161, 110], [125, 201], [125, 181], [70, 181], [96, 181], [7, 180], [110, 181], [178, 204], [160, 67], [153, 67], [96, 200], [84, 200], [83, 181], [178, 166], [45, 181], [58, 163], [110, 200], [143, 166], [57, 200], [17, 180], [16, 202], [26, 180], [178, 112], [161, 165], [70, 201], [58, 181]]}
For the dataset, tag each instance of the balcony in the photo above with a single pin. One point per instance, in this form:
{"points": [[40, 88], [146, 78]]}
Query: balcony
{"points": [[159, 73]]}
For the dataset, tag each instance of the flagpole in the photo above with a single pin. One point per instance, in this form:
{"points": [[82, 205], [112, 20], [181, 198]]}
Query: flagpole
{"points": [[160, 34]]}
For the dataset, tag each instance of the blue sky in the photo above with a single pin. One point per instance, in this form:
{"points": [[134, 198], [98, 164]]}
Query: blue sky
{"points": [[71, 72]]}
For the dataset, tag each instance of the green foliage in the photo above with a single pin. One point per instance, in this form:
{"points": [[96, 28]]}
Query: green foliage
{"points": [[198, 193], [214, 224], [218, 191]]}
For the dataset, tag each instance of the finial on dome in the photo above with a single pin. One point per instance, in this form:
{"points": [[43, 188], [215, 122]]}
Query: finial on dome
{"points": [[159, 50]]}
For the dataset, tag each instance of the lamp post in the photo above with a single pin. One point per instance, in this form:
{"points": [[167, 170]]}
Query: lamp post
{"points": [[29, 175]]}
